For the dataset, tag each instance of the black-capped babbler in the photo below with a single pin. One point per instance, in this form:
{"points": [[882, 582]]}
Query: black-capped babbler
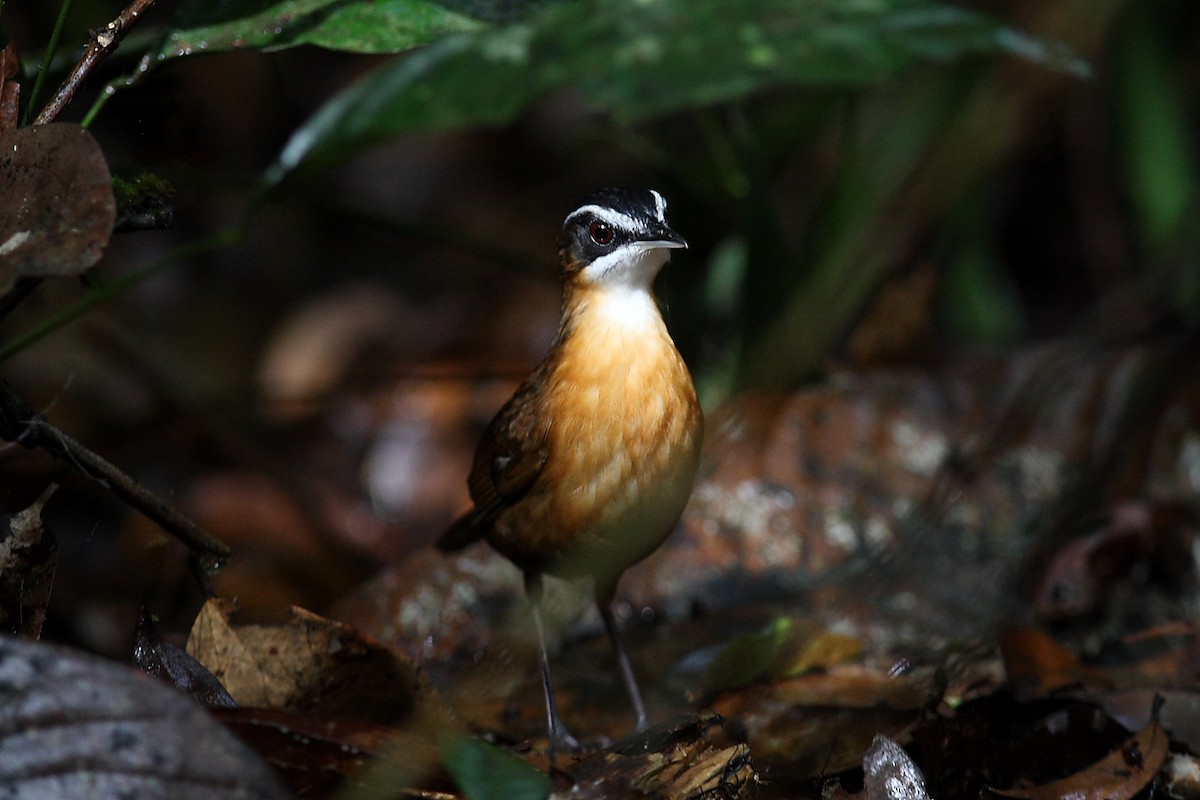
{"points": [[586, 469]]}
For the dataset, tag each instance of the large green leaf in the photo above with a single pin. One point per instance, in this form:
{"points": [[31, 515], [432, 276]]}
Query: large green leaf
{"points": [[484, 771], [641, 58], [362, 26]]}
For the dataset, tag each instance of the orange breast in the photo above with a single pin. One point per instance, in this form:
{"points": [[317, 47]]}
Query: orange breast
{"points": [[624, 441]]}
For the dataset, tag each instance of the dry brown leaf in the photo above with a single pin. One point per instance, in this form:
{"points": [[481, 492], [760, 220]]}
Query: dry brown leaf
{"points": [[58, 210], [1118, 776], [28, 558], [315, 666], [10, 90], [1036, 663]]}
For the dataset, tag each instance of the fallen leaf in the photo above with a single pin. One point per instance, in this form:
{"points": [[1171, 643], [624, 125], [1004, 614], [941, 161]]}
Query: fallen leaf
{"points": [[74, 725], [1118, 776], [315, 666], [1177, 710], [58, 210], [315, 756], [28, 558], [1036, 663]]}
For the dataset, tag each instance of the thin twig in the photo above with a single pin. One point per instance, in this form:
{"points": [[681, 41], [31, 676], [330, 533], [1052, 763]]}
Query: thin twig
{"points": [[19, 423], [103, 42]]}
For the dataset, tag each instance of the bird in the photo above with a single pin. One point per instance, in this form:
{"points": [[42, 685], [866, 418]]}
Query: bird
{"points": [[586, 469]]}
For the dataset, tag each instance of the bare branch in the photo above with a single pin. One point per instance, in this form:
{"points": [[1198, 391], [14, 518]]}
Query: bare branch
{"points": [[103, 42], [19, 423]]}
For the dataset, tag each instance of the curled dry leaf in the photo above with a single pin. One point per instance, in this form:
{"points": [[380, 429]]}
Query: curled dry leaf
{"points": [[1118, 776], [58, 210], [73, 725], [315, 666], [1037, 664], [28, 557]]}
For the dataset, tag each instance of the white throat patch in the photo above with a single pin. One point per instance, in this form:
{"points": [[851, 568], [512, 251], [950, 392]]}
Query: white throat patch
{"points": [[634, 265]]}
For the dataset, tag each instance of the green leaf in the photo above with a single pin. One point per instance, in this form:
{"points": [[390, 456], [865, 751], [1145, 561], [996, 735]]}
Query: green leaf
{"points": [[637, 59], [361, 26], [1159, 153], [783, 649], [484, 771]]}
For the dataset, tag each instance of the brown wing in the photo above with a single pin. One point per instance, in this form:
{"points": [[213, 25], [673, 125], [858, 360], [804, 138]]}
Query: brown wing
{"points": [[511, 454], [509, 459]]}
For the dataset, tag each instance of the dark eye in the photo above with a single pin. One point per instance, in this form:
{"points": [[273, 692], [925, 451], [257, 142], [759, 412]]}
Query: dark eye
{"points": [[600, 233]]}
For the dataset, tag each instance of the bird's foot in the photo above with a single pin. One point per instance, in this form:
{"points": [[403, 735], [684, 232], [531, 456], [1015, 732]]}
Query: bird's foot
{"points": [[563, 742]]}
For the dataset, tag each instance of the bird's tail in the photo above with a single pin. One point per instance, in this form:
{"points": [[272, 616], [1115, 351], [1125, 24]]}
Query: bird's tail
{"points": [[463, 531]]}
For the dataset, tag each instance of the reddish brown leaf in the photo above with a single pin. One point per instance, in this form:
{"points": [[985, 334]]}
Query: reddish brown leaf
{"points": [[58, 210], [1035, 662], [28, 557], [10, 90], [316, 756], [1118, 776]]}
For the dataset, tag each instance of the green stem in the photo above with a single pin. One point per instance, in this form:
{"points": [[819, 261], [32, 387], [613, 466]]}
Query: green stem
{"points": [[47, 57], [108, 91], [222, 238]]}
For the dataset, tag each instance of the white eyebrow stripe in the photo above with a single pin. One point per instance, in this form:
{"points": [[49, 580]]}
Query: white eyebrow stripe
{"points": [[613, 218], [660, 206]]}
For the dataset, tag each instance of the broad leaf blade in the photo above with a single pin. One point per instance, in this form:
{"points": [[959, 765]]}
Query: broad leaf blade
{"points": [[56, 202], [483, 770], [637, 59], [361, 26]]}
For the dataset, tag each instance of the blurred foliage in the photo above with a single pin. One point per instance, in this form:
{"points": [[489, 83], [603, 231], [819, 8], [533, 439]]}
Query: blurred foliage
{"points": [[376, 26], [483, 770], [636, 60], [826, 144]]}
